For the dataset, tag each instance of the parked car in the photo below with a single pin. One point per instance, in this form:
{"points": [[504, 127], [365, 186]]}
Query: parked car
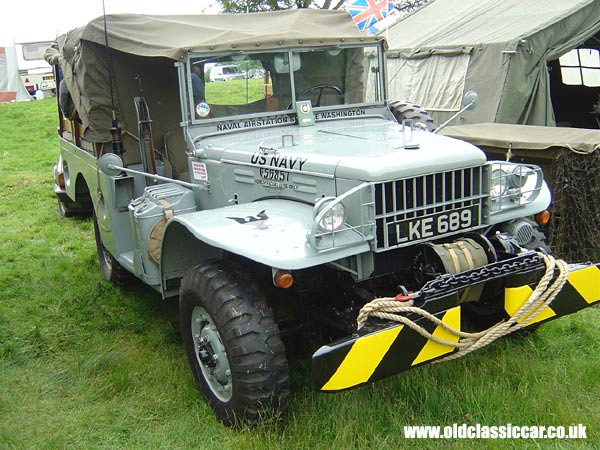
{"points": [[226, 73]]}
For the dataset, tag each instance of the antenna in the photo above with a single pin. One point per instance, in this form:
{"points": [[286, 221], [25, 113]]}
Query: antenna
{"points": [[115, 130]]}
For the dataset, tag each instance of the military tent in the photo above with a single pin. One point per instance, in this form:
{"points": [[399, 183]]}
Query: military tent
{"points": [[11, 85], [532, 62]]}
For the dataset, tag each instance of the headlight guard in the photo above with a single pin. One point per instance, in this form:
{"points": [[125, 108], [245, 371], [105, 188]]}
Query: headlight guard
{"points": [[513, 185]]}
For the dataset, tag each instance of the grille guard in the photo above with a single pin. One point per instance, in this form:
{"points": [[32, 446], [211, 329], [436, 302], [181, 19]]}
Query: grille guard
{"points": [[383, 348]]}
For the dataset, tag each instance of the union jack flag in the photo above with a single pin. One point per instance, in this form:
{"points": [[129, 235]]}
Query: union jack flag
{"points": [[366, 13]]}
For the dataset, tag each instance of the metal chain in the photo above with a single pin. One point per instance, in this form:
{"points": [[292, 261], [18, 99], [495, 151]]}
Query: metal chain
{"points": [[449, 282]]}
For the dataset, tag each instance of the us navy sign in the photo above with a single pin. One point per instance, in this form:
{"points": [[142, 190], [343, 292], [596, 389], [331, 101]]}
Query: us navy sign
{"points": [[281, 162]]}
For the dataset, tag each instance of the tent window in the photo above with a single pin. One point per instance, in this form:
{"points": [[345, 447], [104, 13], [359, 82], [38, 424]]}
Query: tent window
{"points": [[581, 67], [436, 83]]}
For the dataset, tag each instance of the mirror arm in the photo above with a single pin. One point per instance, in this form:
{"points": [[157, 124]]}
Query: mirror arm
{"points": [[469, 102]]}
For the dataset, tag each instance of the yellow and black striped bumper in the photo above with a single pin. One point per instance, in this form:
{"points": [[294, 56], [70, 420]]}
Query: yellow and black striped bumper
{"points": [[375, 353]]}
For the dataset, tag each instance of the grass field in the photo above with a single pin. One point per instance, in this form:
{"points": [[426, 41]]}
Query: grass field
{"points": [[235, 92], [85, 365]]}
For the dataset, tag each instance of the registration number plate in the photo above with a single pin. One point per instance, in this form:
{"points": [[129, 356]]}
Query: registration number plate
{"points": [[434, 225]]}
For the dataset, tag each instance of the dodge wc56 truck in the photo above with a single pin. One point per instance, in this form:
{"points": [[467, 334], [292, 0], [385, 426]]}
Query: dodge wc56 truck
{"points": [[295, 199]]}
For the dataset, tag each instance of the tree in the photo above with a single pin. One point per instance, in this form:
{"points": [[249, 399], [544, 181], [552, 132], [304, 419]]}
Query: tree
{"points": [[242, 6], [407, 6]]}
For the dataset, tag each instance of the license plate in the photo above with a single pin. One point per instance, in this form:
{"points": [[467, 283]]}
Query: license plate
{"points": [[434, 225]]}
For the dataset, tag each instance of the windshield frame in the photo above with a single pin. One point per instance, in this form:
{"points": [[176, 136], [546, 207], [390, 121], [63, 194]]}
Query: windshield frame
{"points": [[187, 101]]}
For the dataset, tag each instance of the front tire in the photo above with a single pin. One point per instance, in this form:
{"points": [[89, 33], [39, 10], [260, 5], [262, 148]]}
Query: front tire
{"points": [[233, 345]]}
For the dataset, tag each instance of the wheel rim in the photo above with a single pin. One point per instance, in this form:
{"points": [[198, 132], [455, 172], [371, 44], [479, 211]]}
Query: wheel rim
{"points": [[210, 354]]}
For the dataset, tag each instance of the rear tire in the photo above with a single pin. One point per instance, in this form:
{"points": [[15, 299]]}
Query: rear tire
{"points": [[112, 271], [409, 111], [233, 345], [63, 211]]}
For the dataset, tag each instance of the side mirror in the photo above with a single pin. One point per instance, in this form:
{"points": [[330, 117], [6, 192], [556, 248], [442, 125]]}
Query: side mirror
{"points": [[470, 100]]}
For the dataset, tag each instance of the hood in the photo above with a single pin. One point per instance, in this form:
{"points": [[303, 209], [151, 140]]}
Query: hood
{"points": [[360, 149]]}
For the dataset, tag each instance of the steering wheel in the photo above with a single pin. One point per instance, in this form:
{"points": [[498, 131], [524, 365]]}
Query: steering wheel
{"points": [[320, 88]]}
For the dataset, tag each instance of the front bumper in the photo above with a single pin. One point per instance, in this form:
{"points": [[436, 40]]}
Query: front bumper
{"points": [[381, 349]]}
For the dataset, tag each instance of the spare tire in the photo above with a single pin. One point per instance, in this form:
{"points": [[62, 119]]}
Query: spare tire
{"points": [[403, 110]]}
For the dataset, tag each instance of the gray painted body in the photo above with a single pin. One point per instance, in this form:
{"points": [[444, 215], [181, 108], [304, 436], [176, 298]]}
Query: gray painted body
{"points": [[258, 178], [370, 149]]}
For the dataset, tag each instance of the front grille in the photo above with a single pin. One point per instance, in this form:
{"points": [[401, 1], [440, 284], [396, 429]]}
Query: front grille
{"points": [[445, 200]]}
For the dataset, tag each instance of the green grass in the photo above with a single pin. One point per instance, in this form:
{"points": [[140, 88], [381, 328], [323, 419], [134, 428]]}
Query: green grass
{"points": [[84, 365], [235, 92]]}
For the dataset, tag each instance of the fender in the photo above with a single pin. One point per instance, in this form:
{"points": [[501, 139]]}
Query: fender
{"points": [[272, 232], [540, 203]]}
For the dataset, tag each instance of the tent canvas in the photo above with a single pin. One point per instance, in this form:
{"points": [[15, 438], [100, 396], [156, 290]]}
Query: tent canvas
{"points": [[11, 85], [499, 49]]}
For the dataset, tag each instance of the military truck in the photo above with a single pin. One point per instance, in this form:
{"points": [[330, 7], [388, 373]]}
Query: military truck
{"points": [[296, 201]]}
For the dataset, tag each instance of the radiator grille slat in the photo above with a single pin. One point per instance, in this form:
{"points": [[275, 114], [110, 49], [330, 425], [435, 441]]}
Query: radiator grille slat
{"points": [[402, 203]]}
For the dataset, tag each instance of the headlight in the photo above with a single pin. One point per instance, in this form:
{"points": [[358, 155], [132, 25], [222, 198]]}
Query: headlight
{"points": [[499, 184], [518, 176], [333, 218], [514, 185]]}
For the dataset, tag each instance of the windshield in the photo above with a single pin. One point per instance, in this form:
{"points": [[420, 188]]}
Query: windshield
{"points": [[268, 83]]}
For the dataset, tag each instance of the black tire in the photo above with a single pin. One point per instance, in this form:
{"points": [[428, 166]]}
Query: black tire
{"points": [[406, 110], [111, 269], [222, 312], [63, 211], [72, 209]]}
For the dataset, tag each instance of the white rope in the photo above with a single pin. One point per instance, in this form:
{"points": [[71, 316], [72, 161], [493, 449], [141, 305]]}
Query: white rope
{"points": [[390, 309]]}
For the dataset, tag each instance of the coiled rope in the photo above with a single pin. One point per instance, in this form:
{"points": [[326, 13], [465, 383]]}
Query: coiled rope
{"points": [[544, 293]]}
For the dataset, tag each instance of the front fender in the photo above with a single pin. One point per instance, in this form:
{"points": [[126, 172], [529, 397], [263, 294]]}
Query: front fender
{"points": [[271, 232]]}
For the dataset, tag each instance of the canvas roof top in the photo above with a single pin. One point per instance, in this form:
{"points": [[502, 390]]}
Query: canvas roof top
{"points": [[172, 36], [146, 45], [450, 23]]}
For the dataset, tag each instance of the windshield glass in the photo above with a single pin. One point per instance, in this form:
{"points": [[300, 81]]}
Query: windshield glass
{"points": [[268, 83], [338, 77]]}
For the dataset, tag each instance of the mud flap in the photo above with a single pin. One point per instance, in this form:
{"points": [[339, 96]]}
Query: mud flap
{"points": [[378, 351]]}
